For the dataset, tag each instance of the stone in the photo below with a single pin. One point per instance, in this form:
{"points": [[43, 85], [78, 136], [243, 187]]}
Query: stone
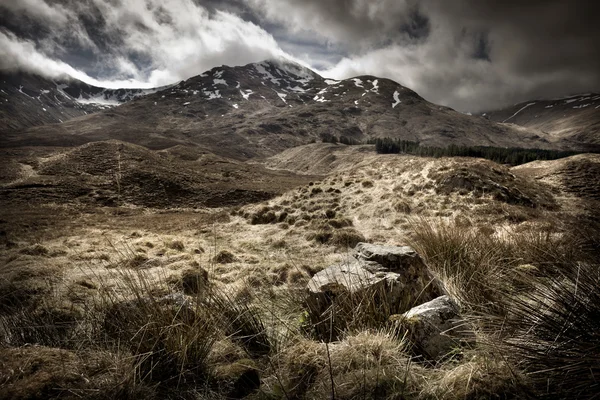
{"points": [[392, 257], [435, 328], [381, 279]]}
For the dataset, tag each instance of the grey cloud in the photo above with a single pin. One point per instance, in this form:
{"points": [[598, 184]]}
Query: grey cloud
{"points": [[137, 42], [468, 54]]}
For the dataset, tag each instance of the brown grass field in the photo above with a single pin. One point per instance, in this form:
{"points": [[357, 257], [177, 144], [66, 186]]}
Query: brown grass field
{"points": [[132, 298]]}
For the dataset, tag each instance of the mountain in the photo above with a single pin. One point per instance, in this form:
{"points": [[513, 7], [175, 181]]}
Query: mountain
{"points": [[31, 100], [574, 118], [261, 109]]}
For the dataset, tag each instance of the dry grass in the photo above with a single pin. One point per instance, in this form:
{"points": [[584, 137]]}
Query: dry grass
{"points": [[552, 332], [202, 304]]}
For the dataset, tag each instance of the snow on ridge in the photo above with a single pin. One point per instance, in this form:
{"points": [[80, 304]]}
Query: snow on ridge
{"points": [[289, 67], [219, 82], [282, 96], [572, 96], [212, 95], [247, 94], [218, 74], [358, 82], [396, 99], [331, 82], [530, 104], [99, 100], [375, 88], [260, 68]]}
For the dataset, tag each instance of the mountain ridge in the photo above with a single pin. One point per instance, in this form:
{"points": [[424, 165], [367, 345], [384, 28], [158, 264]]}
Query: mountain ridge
{"points": [[260, 109], [575, 118]]}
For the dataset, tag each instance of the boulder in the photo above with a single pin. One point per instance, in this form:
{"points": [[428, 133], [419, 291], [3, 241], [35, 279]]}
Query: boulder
{"points": [[391, 257], [380, 280], [435, 328]]}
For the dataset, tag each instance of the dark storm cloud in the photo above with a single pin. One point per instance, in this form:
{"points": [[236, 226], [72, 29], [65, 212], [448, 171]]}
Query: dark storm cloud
{"points": [[468, 54], [129, 43]]}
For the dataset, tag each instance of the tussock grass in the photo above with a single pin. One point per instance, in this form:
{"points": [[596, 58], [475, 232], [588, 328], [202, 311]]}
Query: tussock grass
{"points": [[480, 267], [553, 332], [155, 332]]}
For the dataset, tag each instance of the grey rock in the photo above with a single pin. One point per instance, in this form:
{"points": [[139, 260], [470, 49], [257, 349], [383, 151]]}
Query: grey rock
{"points": [[383, 280], [392, 257], [436, 328]]}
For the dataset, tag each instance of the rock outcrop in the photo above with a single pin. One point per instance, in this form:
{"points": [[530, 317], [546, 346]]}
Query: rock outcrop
{"points": [[435, 328], [377, 282]]}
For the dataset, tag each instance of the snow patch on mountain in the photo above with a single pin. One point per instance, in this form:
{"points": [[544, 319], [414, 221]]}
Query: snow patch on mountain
{"points": [[528, 105], [260, 68], [247, 93], [396, 99], [282, 96], [375, 88], [100, 100], [212, 95]]}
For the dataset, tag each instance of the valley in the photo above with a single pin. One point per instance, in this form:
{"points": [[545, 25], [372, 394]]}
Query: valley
{"points": [[161, 244]]}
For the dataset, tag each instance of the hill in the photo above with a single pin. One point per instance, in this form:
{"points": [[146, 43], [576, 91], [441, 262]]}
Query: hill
{"points": [[113, 173], [261, 109], [31, 100], [575, 119]]}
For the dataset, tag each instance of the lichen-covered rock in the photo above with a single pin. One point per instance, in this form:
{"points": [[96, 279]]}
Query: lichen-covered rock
{"points": [[435, 328], [392, 257], [380, 279]]}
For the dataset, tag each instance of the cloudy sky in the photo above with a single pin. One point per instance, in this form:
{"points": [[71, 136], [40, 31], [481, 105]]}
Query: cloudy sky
{"points": [[471, 55]]}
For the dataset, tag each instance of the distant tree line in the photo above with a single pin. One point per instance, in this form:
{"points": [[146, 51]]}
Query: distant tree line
{"points": [[502, 155], [330, 138]]}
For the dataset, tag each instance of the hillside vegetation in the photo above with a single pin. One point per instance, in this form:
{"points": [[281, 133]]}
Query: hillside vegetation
{"points": [[139, 298]]}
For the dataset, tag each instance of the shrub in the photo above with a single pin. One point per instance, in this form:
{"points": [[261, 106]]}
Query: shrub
{"points": [[329, 138], [194, 281], [263, 216], [347, 237], [176, 245], [224, 257]]}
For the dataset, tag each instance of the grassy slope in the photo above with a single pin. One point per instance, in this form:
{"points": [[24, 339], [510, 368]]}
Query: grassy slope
{"points": [[92, 289]]}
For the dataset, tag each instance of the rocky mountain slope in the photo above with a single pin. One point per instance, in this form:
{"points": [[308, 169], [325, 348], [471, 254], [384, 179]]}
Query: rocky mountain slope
{"points": [[30, 100], [262, 109], [574, 118]]}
